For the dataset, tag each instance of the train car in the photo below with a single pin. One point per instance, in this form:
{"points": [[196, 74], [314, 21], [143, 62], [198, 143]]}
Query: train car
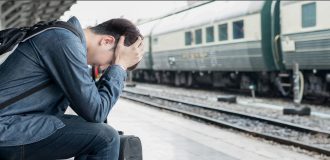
{"points": [[219, 43], [193, 41], [305, 39]]}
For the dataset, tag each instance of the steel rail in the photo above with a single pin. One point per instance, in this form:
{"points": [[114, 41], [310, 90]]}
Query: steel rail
{"points": [[229, 125], [247, 115]]}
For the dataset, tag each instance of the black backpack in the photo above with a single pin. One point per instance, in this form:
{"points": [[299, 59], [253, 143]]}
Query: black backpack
{"points": [[10, 39]]}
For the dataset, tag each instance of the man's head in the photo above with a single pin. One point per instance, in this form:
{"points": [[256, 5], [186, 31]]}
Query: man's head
{"points": [[102, 41]]}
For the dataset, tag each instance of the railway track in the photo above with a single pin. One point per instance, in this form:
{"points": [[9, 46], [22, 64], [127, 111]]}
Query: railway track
{"points": [[271, 129]]}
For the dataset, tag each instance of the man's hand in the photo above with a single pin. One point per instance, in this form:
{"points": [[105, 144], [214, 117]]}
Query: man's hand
{"points": [[129, 56]]}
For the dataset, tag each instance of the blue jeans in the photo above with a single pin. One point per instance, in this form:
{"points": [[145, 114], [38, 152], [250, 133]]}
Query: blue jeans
{"points": [[79, 138]]}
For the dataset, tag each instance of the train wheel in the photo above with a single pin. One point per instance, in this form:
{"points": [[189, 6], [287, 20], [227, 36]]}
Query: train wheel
{"points": [[177, 79], [158, 76], [189, 79]]}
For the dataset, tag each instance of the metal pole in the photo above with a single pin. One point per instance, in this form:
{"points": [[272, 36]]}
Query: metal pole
{"points": [[253, 87], [296, 88], [1, 16], [130, 77]]}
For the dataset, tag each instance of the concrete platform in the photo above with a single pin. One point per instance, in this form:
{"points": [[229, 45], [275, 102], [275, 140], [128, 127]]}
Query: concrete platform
{"points": [[166, 136]]}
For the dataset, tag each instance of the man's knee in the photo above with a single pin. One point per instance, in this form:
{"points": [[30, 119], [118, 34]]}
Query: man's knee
{"points": [[110, 134], [104, 132]]}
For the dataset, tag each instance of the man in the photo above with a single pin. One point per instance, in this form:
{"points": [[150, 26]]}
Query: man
{"points": [[35, 127]]}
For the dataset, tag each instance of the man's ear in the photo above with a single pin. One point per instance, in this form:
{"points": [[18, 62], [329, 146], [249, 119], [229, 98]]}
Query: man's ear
{"points": [[107, 40]]}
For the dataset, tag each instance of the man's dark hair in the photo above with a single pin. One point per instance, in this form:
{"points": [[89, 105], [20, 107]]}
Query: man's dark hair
{"points": [[117, 27]]}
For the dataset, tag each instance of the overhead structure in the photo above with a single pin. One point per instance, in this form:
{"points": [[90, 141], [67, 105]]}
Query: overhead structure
{"points": [[26, 13], [191, 5]]}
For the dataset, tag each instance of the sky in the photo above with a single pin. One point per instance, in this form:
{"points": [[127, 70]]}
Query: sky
{"points": [[90, 13]]}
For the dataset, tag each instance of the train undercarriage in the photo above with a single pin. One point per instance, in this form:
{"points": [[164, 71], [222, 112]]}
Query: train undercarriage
{"points": [[315, 83]]}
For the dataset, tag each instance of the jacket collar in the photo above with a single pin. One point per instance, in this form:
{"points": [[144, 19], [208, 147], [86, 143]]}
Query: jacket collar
{"points": [[73, 20]]}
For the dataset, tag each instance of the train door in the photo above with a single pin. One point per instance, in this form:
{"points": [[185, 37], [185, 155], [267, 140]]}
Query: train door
{"points": [[284, 78], [275, 37], [271, 45], [267, 40]]}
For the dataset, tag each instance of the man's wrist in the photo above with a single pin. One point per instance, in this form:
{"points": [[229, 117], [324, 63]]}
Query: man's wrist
{"points": [[121, 67]]}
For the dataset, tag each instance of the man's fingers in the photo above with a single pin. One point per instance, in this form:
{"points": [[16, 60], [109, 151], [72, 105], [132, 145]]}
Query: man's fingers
{"points": [[141, 46], [142, 52], [141, 43], [137, 42], [121, 40], [140, 59]]}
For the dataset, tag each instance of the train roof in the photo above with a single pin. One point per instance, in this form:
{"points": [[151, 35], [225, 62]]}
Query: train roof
{"points": [[146, 28], [207, 14], [238, 8], [288, 2]]}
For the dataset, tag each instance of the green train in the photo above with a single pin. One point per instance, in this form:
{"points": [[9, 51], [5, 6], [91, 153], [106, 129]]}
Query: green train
{"points": [[238, 44]]}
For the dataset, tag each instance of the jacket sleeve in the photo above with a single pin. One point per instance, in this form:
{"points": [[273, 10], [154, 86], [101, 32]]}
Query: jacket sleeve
{"points": [[66, 63]]}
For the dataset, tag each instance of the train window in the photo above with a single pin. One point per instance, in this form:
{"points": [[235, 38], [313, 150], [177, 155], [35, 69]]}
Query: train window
{"points": [[209, 34], [308, 15], [223, 32], [155, 41], [238, 29], [188, 38], [198, 36]]}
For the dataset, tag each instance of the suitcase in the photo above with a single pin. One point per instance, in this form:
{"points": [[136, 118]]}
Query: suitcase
{"points": [[130, 147]]}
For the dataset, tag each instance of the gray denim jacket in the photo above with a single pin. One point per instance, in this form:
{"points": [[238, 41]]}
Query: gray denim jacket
{"points": [[57, 55]]}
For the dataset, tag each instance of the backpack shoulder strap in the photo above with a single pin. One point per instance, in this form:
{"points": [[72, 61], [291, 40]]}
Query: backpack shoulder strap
{"points": [[25, 94], [58, 25]]}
